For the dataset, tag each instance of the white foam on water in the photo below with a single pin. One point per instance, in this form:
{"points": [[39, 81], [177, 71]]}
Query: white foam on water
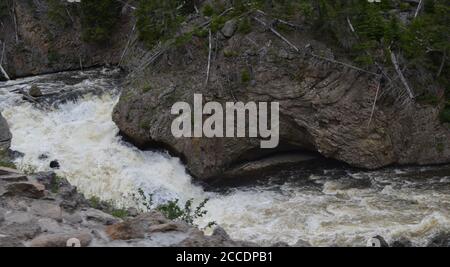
{"points": [[83, 138], [85, 141]]}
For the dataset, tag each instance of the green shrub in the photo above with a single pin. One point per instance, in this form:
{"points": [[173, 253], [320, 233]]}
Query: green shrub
{"points": [[119, 213], [4, 8], [95, 202], [158, 20], [208, 10], [217, 23], [98, 20], [172, 209], [244, 26], [445, 115], [245, 76], [57, 13]]}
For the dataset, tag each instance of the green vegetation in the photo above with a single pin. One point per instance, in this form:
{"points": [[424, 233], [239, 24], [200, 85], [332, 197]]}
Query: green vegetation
{"points": [[422, 44], [95, 202], [57, 13], [440, 147], [183, 39], [4, 8], [147, 88], [98, 19], [5, 159], [119, 213], [445, 114], [172, 209], [244, 26], [55, 183], [245, 76], [208, 10], [158, 21], [53, 57]]}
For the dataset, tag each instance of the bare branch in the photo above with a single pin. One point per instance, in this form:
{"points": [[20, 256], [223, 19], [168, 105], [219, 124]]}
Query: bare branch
{"points": [[441, 67], [418, 9], [1, 61], [209, 58], [375, 102], [127, 45], [15, 22], [400, 74], [311, 53]]}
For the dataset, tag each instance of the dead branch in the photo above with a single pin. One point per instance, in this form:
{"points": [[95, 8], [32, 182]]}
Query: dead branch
{"points": [[375, 102], [277, 34], [15, 22], [209, 58], [311, 53], [26, 96], [441, 67], [68, 14], [1, 61], [81, 62], [206, 23], [400, 74], [127, 45], [418, 9]]}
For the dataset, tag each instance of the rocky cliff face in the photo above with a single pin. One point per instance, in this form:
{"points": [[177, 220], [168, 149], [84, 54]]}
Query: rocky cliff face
{"points": [[38, 41], [324, 107]]}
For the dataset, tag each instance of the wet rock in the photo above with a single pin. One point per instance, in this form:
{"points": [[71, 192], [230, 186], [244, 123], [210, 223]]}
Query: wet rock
{"points": [[229, 28], [99, 217], [43, 157], [166, 227], [132, 212], [302, 244], [60, 240], [5, 134], [280, 245], [219, 232], [197, 238], [402, 243], [25, 189], [440, 240], [377, 241], [2, 215], [35, 91], [54, 164], [13, 178], [10, 242], [140, 226]]}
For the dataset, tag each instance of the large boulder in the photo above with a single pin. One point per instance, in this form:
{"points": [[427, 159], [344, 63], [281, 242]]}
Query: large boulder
{"points": [[324, 107], [5, 134]]}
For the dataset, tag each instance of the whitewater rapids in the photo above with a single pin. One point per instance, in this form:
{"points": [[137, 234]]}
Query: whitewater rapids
{"points": [[331, 206]]}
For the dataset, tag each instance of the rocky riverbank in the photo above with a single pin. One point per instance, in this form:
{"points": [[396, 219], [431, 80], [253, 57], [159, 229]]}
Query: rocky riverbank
{"points": [[44, 210]]}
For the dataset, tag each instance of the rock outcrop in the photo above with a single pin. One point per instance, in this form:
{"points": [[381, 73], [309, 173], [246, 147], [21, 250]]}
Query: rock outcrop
{"points": [[37, 44], [324, 107], [46, 211], [5, 134]]}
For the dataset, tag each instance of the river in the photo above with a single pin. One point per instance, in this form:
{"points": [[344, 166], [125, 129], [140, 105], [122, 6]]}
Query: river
{"points": [[327, 206]]}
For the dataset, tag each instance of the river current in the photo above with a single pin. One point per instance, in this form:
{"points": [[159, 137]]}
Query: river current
{"points": [[327, 206]]}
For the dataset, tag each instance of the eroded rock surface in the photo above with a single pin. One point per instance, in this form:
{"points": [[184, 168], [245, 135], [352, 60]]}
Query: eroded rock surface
{"points": [[324, 107], [35, 213]]}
